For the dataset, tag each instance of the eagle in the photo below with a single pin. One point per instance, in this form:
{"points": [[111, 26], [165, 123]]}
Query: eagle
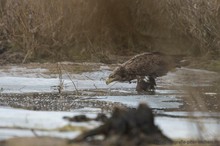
{"points": [[148, 64]]}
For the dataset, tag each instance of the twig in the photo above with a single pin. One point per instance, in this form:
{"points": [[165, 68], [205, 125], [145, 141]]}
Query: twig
{"points": [[77, 91], [35, 134], [60, 86]]}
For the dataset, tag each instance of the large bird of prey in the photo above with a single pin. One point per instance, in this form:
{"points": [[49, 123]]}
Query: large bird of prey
{"points": [[150, 64]]}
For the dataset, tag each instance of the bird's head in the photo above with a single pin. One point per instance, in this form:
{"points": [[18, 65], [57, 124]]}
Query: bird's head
{"points": [[117, 75]]}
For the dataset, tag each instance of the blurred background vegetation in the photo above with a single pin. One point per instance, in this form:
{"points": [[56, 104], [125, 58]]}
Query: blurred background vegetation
{"points": [[95, 30]]}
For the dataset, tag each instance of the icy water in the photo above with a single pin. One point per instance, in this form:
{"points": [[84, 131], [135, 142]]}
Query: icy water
{"points": [[186, 101]]}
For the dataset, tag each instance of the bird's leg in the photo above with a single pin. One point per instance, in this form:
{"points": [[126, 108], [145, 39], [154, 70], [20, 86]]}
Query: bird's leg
{"points": [[142, 85], [152, 82]]}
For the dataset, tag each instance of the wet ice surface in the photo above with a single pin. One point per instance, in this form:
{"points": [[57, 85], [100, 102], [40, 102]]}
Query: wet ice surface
{"points": [[30, 82], [20, 122], [154, 101], [168, 100]]}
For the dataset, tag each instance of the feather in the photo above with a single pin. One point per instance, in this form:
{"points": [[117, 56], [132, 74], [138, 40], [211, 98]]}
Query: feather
{"points": [[150, 64]]}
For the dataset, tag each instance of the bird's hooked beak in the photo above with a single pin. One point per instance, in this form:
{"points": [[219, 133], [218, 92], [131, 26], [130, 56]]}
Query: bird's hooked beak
{"points": [[109, 80]]}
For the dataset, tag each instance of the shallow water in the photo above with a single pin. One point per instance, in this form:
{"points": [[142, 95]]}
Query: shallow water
{"points": [[186, 97]]}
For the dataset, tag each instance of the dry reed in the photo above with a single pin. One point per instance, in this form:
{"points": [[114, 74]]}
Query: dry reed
{"points": [[85, 29]]}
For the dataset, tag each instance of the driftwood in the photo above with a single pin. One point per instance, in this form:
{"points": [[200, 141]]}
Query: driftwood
{"points": [[128, 127]]}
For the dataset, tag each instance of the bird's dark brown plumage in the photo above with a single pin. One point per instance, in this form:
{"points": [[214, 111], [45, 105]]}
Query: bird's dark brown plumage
{"points": [[150, 64]]}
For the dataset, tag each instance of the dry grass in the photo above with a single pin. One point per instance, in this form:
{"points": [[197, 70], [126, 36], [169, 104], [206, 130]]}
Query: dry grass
{"points": [[198, 20], [85, 29]]}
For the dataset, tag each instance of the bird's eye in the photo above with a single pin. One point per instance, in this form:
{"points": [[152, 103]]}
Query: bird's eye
{"points": [[111, 75]]}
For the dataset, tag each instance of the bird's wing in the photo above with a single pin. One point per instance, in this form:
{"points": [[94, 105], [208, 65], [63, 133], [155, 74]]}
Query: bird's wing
{"points": [[146, 64]]}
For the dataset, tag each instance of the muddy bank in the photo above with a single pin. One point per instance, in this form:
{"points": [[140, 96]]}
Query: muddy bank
{"points": [[55, 102], [100, 99], [48, 141]]}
